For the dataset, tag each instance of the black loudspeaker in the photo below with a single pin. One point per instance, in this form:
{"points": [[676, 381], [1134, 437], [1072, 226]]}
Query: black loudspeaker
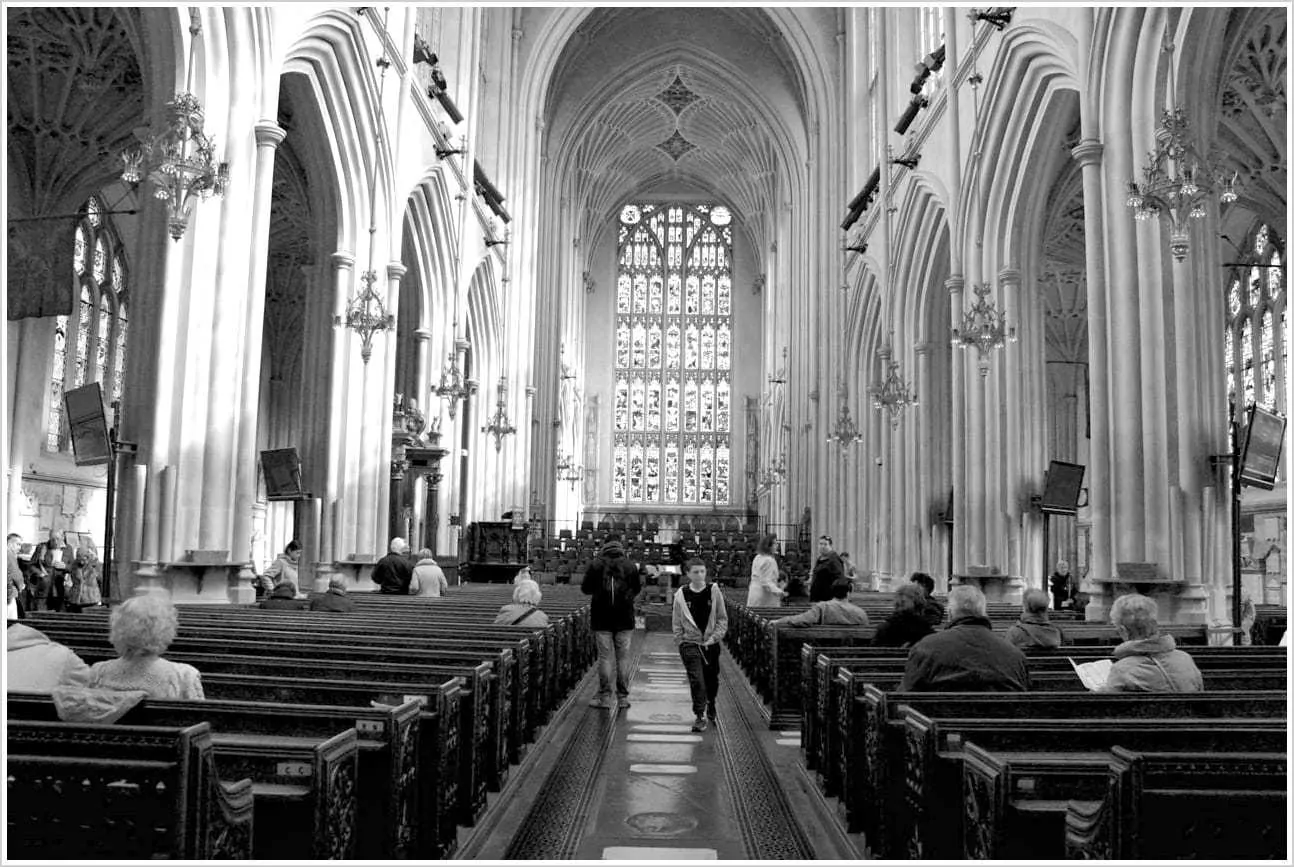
{"points": [[1064, 485], [282, 468], [85, 421], [1260, 455]]}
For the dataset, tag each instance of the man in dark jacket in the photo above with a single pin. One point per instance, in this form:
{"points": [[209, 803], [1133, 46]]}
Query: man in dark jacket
{"points": [[826, 570], [393, 572], [613, 582], [336, 599], [933, 611], [966, 655], [1034, 629], [284, 598]]}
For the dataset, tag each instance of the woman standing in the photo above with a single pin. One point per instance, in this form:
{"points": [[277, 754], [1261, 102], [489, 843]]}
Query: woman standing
{"points": [[763, 591], [84, 575]]}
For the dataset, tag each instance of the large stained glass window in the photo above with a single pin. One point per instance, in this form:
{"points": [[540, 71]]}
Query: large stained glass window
{"points": [[1255, 345], [100, 290], [673, 356]]}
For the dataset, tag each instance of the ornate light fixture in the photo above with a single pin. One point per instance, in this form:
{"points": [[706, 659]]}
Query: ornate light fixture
{"points": [[499, 424], [179, 159], [1178, 180], [772, 476], [453, 385], [846, 432], [366, 313], [893, 395], [983, 327], [567, 470]]}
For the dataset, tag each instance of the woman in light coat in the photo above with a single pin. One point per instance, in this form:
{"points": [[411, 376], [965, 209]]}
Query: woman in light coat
{"points": [[763, 591], [428, 578]]}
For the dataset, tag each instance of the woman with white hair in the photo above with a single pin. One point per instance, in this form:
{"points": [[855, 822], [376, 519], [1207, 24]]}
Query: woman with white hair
{"points": [[141, 629], [1147, 661], [523, 610]]}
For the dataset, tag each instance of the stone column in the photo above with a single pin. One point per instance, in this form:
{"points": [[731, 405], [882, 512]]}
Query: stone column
{"points": [[1088, 153], [268, 137], [957, 430], [923, 459], [336, 536], [1009, 535], [386, 370]]}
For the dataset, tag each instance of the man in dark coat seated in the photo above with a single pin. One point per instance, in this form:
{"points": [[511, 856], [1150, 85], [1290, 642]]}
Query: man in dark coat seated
{"points": [[1034, 629], [966, 655], [335, 599], [826, 570], [284, 598], [393, 572]]}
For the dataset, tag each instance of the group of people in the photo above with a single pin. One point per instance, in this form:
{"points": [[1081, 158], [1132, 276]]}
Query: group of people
{"points": [[140, 630], [51, 581]]}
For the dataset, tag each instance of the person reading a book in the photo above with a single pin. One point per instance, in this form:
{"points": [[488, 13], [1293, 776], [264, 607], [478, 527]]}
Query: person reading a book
{"points": [[1147, 661], [1034, 629]]}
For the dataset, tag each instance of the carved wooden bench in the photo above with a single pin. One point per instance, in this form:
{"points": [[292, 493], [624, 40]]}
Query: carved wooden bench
{"points": [[84, 791]]}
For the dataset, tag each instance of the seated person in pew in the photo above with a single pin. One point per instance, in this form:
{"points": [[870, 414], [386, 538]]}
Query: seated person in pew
{"points": [[428, 578], [523, 610], [335, 598], [908, 624], [141, 629], [393, 572], [966, 655], [1147, 661], [934, 609], [34, 663], [836, 611], [1034, 629], [284, 598]]}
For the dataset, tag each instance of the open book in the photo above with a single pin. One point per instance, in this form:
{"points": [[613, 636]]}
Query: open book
{"points": [[1093, 674]]}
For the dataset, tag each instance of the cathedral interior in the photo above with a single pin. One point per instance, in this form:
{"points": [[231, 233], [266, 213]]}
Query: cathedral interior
{"points": [[969, 290]]}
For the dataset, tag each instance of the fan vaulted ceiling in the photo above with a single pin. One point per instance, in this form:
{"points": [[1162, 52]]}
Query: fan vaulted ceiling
{"points": [[669, 100]]}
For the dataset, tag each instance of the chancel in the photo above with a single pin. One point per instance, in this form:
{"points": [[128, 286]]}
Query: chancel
{"points": [[412, 365]]}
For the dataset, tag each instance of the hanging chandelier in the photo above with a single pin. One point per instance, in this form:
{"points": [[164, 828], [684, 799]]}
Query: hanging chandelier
{"points": [[846, 432], [179, 158], [983, 328], [499, 424], [453, 385], [1178, 180], [366, 315], [567, 470], [772, 476], [893, 395]]}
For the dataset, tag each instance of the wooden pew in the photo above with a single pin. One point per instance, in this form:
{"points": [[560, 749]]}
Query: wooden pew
{"points": [[875, 743], [72, 795], [935, 749], [387, 787], [1162, 805]]}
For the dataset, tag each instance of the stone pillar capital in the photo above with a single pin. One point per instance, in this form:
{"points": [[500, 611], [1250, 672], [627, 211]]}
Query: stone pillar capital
{"points": [[396, 270], [923, 348], [269, 134], [422, 335], [341, 260], [955, 283], [1009, 276], [1088, 152]]}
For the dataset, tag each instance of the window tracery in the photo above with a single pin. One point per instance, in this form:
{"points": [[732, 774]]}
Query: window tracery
{"points": [[1255, 327], [673, 395], [100, 283]]}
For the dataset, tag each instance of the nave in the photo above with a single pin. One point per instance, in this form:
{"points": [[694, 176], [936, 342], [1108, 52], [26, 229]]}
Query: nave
{"points": [[637, 784]]}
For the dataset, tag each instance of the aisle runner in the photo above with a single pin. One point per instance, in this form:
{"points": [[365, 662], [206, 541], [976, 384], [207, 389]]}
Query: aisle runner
{"points": [[768, 825], [553, 827]]}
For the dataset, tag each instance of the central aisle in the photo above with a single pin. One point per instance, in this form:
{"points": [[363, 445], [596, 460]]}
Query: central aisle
{"points": [[637, 783]]}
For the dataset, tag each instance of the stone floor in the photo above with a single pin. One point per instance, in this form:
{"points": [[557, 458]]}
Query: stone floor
{"points": [[638, 784]]}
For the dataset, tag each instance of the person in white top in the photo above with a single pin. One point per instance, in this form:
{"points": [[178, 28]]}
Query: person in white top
{"points": [[763, 591], [428, 578], [141, 629]]}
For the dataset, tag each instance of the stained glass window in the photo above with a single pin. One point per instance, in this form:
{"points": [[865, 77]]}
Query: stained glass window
{"points": [[82, 339], [1267, 358], [673, 394], [1255, 346], [54, 428], [96, 352]]}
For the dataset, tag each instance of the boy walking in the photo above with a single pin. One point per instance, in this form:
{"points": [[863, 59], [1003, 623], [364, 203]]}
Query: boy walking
{"points": [[700, 620]]}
